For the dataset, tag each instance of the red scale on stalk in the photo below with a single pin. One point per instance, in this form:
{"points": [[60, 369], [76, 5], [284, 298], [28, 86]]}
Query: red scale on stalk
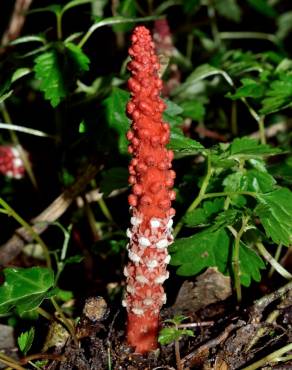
{"points": [[150, 201]]}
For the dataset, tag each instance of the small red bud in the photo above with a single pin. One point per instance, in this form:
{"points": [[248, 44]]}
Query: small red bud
{"points": [[132, 200]]}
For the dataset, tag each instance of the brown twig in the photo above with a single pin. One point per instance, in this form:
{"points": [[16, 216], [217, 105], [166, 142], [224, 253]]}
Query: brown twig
{"points": [[16, 22], [42, 356], [56, 209]]}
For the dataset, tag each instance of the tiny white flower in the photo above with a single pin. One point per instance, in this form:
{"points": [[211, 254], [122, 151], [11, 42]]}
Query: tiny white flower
{"points": [[134, 257], [135, 221], [163, 298], [161, 278], [163, 243], [124, 303], [9, 174], [131, 289], [142, 279], [138, 311], [17, 162], [129, 233], [144, 242], [126, 272], [148, 301], [167, 259], [170, 223], [154, 223], [152, 264], [15, 152]]}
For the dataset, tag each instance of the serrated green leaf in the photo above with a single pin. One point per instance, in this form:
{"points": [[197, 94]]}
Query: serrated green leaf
{"points": [[25, 288], [193, 109], [275, 213], [225, 218], [201, 216], [182, 145], [48, 70], [77, 56], [263, 7], [205, 249], [114, 178], [250, 265], [169, 335], [116, 115], [250, 148], [278, 96], [228, 9], [249, 89], [25, 340]]}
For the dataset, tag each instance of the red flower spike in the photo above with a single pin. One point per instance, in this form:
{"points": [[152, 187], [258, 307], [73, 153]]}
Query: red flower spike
{"points": [[150, 201], [11, 164]]}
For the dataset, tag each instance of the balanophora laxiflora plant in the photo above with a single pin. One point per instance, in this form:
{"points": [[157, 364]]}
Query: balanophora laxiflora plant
{"points": [[152, 180]]}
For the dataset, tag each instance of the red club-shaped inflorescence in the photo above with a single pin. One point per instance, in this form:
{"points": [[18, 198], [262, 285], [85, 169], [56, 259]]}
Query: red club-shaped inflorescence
{"points": [[11, 164], [150, 201]]}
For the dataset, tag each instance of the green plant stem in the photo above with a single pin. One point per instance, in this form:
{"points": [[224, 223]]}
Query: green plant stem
{"points": [[44, 313], [229, 193], [177, 355], [104, 209], [236, 261], [199, 198], [9, 361], [272, 357], [14, 139], [262, 130], [65, 321], [213, 24], [248, 35], [59, 25], [234, 126], [269, 258], [277, 256], [9, 211]]}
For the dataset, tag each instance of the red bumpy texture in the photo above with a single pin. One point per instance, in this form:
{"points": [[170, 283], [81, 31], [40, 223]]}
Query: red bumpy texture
{"points": [[11, 164], [150, 202]]}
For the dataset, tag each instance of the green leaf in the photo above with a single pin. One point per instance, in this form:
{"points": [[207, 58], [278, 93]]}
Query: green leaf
{"points": [[202, 215], [48, 71], [278, 96], [284, 22], [116, 115], [169, 335], [182, 145], [249, 89], [200, 73], [114, 178], [74, 3], [77, 56], [172, 109], [204, 249], [54, 8], [193, 109], [25, 288], [250, 265], [127, 9], [111, 21], [263, 7], [190, 6], [228, 9], [275, 213], [19, 73], [283, 170], [5, 96], [247, 148], [225, 218], [26, 39], [25, 340]]}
